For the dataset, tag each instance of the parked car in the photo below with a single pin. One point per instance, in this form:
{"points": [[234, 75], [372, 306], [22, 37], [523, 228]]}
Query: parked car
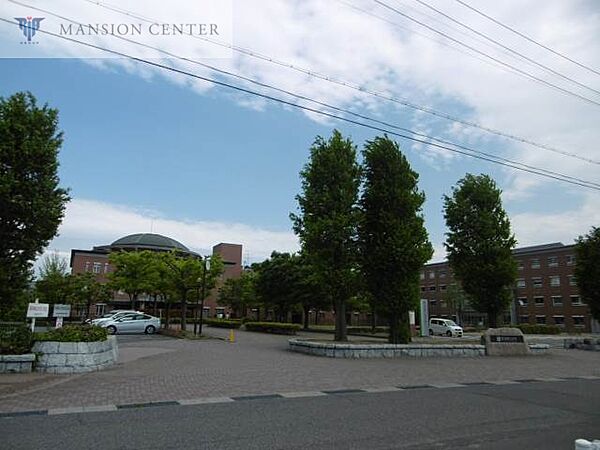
{"points": [[132, 323], [444, 327], [113, 315]]}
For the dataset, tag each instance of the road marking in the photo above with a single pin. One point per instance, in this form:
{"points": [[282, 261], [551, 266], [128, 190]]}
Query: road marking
{"points": [[206, 400], [448, 385], [71, 410], [302, 394], [549, 379]]}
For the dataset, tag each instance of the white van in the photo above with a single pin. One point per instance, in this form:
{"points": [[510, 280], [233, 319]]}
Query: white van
{"points": [[444, 327]]}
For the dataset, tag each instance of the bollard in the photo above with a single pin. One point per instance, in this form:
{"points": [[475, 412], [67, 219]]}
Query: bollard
{"points": [[231, 336]]}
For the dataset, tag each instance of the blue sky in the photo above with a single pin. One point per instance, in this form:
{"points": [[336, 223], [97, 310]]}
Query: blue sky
{"points": [[144, 150]]}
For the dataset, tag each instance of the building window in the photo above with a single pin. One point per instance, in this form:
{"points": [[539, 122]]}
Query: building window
{"points": [[97, 267], [555, 280], [422, 275], [87, 266], [442, 274], [559, 320], [433, 302], [431, 275], [570, 260], [522, 301], [100, 307], [520, 265], [540, 320], [552, 261], [523, 319], [572, 280], [557, 300], [576, 300], [579, 321], [537, 282], [432, 288], [443, 287], [539, 301], [423, 289], [521, 283], [535, 263]]}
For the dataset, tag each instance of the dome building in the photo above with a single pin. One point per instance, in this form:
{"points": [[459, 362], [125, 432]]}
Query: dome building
{"points": [[96, 261]]}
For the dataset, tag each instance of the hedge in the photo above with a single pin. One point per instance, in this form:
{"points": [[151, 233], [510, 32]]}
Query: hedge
{"points": [[74, 333], [273, 327], [15, 339], [539, 329], [223, 323]]}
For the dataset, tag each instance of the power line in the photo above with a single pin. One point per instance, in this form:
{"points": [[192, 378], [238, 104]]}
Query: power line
{"points": [[523, 72], [326, 105], [524, 36], [361, 89], [515, 52], [536, 171]]}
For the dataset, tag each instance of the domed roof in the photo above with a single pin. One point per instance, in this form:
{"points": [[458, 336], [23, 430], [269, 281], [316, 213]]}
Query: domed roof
{"points": [[149, 241]]}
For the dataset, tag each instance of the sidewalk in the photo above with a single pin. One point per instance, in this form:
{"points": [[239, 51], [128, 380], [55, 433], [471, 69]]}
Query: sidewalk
{"points": [[156, 369]]}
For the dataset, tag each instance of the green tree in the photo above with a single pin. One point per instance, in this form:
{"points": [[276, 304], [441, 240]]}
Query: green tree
{"points": [[327, 220], [132, 274], [184, 275], [587, 269], [32, 204], [86, 290], [239, 293], [394, 241], [54, 282], [479, 244]]}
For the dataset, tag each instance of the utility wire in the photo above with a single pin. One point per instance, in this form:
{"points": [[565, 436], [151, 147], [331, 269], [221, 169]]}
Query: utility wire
{"points": [[527, 74], [326, 105], [361, 89], [515, 52], [524, 36], [305, 108]]}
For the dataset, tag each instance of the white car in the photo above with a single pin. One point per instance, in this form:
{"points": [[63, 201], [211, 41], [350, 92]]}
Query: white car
{"points": [[444, 327], [113, 315], [132, 323]]}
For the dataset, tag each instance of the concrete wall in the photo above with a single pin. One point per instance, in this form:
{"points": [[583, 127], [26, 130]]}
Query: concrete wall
{"points": [[75, 357], [16, 363]]}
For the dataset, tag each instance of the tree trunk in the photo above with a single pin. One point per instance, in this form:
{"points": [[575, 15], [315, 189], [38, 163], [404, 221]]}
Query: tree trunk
{"points": [[492, 319], [306, 317], [183, 311], [399, 328], [168, 315], [341, 334], [155, 304], [373, 320], [132, 298]]}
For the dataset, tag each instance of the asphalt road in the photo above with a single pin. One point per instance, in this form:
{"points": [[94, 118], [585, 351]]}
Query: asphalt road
{"points": [[549, 415]]}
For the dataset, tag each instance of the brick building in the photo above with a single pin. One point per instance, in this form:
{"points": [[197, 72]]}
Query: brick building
{"points": [[97, 262], [545, 292]]}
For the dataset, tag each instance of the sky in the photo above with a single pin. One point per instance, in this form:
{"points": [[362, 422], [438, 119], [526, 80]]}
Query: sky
{"points": [[148, 150]]}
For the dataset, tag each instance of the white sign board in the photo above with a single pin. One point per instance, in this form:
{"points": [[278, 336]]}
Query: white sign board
{"points": [[59, 322], [38, 310], [61, 310]]}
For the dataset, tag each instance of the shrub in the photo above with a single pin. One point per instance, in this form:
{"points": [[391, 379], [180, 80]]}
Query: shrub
{"points": [[273, 327], [539, 329], [223, 323], [74, 333], [15, 339]]}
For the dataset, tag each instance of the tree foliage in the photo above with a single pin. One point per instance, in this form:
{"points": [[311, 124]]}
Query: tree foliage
{"points": [[479, 244], [85, 290], [587, 269], [32, 204], [327, 220], [54, 282], [239, 293], [132, 273], [394, 241]]}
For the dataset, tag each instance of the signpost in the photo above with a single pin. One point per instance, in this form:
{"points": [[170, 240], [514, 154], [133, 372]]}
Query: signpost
{"points": [[424, 317], [60, 311], [37, 310]]}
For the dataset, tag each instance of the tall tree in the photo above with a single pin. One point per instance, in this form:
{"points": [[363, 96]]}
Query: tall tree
{"points": [[457, 300], [327, 220], [587, 269], [239, 293], [184, 274], [394, 241], [132, 274], [85, 290], [479, 244], [32, 204], [54, 283], [276, 283]]}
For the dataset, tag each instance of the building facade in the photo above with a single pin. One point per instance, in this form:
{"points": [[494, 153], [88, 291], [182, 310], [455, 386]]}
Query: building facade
{"points": [[545, 291], [96, 261]]}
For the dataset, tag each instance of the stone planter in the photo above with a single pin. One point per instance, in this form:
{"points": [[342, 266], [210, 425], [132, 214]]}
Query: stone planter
{"points": [[16, 363], [75, 357]]}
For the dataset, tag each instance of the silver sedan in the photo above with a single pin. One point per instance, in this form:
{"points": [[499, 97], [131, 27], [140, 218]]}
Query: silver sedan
{"points": [[132, 323]]}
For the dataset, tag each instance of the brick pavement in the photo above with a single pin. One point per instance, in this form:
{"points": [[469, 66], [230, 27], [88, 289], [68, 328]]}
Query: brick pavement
{"points": [[155, 369]]}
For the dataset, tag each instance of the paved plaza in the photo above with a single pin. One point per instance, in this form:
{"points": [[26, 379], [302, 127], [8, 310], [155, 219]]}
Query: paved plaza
{"points": [[162, 369]]}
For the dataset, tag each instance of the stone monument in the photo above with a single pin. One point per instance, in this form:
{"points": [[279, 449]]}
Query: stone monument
{"points": [[504, 342]]}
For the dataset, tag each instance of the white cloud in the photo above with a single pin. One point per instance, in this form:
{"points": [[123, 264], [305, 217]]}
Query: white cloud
{"points": [[88, 223]]}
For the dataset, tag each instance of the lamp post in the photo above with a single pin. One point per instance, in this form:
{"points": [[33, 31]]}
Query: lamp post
{"points": [[202, 282]]}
